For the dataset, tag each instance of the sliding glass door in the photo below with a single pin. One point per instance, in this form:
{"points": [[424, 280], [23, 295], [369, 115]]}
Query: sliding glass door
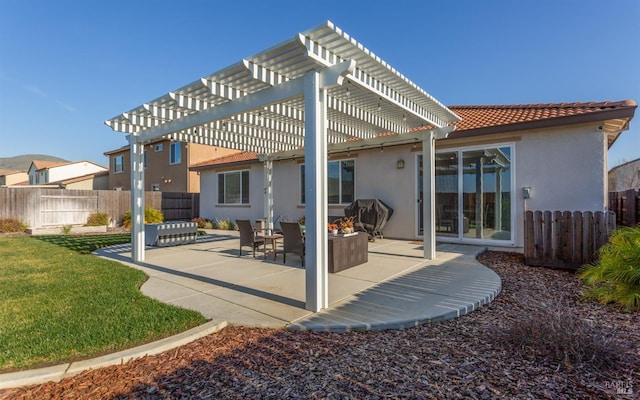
{"points": [[472, 193]]}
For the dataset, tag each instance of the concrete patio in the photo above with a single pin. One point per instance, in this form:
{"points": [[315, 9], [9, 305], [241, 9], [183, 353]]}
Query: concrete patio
{"points": [[396, 288]]}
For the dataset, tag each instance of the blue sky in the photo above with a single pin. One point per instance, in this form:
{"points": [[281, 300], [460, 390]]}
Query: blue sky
{"points": [[66, 66]]}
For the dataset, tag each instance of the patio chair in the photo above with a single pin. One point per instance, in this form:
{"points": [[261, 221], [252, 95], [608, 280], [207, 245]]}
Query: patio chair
{"points": [[293, 240], [248, 236]]}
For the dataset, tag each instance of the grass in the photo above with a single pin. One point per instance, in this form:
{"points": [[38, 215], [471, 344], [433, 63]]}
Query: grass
{"points": [[86, 244], [60, 303]]}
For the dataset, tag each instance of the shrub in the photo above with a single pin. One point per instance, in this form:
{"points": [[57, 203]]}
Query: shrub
{"points": [[151, 216], [615, 278], [203, 223], [11, 225], [224, 224], [98, 219], [558, 336]]}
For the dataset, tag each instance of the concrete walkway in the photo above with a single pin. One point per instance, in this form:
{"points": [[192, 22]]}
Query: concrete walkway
{"points": [[396, 288]]}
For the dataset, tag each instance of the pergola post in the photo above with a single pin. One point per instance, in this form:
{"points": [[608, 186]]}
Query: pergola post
{"points": [[428, 197], [315, 155], [137, 199], [268, 193]]}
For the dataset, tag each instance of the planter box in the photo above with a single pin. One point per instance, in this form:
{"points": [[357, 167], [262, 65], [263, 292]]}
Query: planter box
{"points": [[346, 251], [170, 233], [59, 230]]}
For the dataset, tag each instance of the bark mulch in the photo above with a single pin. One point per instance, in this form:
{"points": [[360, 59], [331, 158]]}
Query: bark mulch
{"points": [[536, 340]]}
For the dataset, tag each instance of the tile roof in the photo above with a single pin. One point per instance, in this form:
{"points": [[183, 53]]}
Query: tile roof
{"points": [[4, 172], [488, 119], [239, 157], [482, 116], [41, 164]]}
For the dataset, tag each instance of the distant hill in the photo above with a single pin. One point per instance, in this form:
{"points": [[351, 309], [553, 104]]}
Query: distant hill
{"points": [[23, 162]]}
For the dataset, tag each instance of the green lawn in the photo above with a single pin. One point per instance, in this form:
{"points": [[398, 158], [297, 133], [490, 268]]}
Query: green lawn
{"points": [[60, 303]]}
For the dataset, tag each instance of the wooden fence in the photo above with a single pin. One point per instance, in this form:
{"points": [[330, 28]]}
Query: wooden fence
{"points": [[565, 239], [41, 207], [626, 205]]}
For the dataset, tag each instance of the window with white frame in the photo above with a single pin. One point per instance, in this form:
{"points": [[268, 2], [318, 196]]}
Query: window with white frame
{"points": [[340, 182], [118, 164], [158, 147], [233, 187], [175, 153], [155, 187]]}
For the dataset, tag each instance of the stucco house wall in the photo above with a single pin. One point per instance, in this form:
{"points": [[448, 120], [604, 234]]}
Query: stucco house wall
{"points": [[209, 207], [73, 170], [565, 167], [625, 176], [159, 172], [9, 178]]}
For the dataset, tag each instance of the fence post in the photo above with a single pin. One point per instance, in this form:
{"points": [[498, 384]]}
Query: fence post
{"points": [[577, 238], [529, 239]]}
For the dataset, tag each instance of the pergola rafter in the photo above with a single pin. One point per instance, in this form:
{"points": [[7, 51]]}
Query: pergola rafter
{"points": [[320, 87]]}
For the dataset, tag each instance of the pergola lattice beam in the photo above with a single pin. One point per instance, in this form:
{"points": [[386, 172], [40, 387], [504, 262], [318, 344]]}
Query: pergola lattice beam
{"points": [[272, 95]]}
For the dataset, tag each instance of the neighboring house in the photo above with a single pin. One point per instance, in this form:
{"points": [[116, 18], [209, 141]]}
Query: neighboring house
{"points": [[625, 176], [10, 177], [52, 172], [500, 161], [95, 181], [166, 166]]}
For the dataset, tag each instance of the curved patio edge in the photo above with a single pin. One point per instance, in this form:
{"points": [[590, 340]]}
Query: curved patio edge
{"points": [[429, 294], [58, 372]]}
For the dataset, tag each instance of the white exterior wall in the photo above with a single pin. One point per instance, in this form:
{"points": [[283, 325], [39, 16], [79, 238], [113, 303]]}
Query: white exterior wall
{"points": [[72, 171], [209, 207], [286, 191], [376, 177], [564, 167], [379, 178]]}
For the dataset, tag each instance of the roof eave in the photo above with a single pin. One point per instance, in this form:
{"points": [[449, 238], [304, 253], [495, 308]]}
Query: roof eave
{"points": [[224, 165]]}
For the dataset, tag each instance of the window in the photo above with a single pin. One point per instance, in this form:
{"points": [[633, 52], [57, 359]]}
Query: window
{"points": [[158, 147], [118, 164], [175, 156], [233, 187], [340, 182], [155, 187], [145, 159]]}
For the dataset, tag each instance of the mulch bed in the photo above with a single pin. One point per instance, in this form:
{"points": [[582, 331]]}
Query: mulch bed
{"points": [[477, 356]]}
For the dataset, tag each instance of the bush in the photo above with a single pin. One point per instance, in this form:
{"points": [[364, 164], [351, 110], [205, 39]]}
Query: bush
{"points": [[151, 216], [203, 223], [615, 278], [11, 225], [224, 224], [98, 219], [555, 335]]}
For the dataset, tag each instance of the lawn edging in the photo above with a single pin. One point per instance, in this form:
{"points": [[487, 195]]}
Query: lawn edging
{"points": [[58, 372]]}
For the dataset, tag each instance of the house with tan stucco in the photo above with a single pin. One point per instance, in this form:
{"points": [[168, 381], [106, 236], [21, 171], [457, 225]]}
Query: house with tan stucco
{"points": [[166, 165], [498, 162]]}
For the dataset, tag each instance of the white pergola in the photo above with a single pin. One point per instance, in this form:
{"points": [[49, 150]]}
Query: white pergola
{"points": [[320, 88]]}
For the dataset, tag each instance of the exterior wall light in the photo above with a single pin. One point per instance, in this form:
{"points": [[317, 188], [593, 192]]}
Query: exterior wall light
{"points": [[400, 164]]}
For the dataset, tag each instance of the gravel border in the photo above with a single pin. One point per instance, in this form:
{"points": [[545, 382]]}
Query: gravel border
{"points": [[473, 356]]}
